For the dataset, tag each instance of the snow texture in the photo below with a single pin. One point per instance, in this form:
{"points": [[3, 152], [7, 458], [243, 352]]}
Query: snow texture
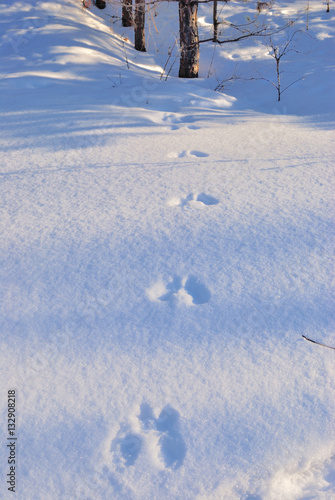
{"points": [[164, 248]]}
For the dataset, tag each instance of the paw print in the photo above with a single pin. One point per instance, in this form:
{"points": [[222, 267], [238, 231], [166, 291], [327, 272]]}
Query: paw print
{"points": [[189, 291], [199, 200], [127, 446], [172, 445]]}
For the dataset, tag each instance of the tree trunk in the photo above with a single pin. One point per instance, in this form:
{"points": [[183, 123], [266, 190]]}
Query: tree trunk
{"points": [[215, 21], [140, 25], [189, 39], [278, 78], [127, 15]]}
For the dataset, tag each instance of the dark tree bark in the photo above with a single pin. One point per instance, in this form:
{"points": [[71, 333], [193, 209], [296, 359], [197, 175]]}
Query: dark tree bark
{"points": [[189, 39], [127, 14], [140, 25], [215, 21]]}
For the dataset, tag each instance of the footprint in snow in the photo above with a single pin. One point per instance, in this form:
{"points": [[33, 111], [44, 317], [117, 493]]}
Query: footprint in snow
{"points": [[130, 447], [187, 154], [174, 118], [161, 435], [126, 446], [200, 200], [188, 291], [166, 427], [198, 154], [188, 127], [207, 199]]}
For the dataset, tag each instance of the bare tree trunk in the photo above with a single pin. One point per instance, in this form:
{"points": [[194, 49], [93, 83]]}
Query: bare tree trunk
{"points": [[278, 78], [189, 39], [215, 21], [140, 25], [127, 15]]}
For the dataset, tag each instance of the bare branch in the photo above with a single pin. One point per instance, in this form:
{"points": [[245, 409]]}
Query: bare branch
{"points": [[302, 78]]}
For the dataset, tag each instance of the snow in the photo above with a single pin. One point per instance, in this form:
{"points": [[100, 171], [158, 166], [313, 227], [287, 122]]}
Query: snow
{"points": [[164, 248]]}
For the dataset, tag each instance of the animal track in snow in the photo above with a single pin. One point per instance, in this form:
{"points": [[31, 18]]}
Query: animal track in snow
{"points": [[166, 428], [130, 448], [177, 122], [200, 200], [207, 199], [158, 439], [126, 446], [188, 291], [188, 154], [198, 154], [188, 127]]}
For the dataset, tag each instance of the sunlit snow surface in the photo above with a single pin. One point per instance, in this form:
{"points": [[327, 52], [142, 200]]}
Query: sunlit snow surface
{"points": [[164, 248]]}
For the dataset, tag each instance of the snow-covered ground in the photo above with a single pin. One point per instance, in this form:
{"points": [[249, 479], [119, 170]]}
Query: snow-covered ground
{"points": [[164, 248]]}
